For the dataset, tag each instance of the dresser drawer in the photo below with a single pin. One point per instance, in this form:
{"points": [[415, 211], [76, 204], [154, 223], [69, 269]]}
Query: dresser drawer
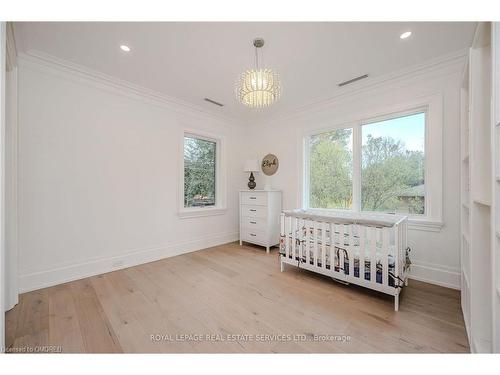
{"points": [[253, 235], [254, 223], [254, 198], [253, 211]]}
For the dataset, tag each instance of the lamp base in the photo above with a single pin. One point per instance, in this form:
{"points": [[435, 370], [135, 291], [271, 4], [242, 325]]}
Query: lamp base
{"points": [[251, 182]]}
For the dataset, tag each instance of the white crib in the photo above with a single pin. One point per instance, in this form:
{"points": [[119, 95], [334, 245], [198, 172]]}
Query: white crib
{"points": [[369, 250]]}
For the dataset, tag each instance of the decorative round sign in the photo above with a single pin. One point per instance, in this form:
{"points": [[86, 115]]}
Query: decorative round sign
{"points": [[270, 164]]}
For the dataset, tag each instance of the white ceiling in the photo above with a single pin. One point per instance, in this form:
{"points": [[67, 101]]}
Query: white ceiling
{"points": [[191, 61]]}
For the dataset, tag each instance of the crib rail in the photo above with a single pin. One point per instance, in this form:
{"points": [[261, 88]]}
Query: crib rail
{"points": [[370, 254]]}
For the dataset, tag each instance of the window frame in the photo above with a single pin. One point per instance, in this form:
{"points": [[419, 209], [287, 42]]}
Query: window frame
{"points": [[392, 116], [220, 176], [431, 220]]}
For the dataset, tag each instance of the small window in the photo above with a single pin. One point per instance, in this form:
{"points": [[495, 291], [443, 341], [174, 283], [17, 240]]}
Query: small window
{"points": [[330, 166], [392, 174], [199, 171]]}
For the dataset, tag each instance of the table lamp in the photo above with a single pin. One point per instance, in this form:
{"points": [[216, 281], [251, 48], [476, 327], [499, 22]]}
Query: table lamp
{"points": [[251, 165]]}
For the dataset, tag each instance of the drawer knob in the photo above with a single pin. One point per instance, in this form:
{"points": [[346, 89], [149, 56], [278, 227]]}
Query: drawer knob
{"points": [[253, 222], [253, 235], [253, 197], [253, 210]]}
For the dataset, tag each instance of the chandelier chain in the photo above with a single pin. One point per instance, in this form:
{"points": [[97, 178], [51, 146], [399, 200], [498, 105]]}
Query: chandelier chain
{"points": [[257, 58]]}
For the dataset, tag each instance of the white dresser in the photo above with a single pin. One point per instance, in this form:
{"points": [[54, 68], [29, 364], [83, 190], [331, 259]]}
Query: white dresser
{"points": [[260, 217]]}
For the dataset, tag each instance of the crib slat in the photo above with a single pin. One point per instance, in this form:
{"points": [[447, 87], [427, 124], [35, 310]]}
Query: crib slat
{"points": [[307, 224], [323, 245], [397, 245], [362, 244], [342, 247], [315, 242], [373, 255], [351, 250], [294, 236], [331, 255], [301, 238], [288, 228], [282, 232], [385, 256], [404, 244]]}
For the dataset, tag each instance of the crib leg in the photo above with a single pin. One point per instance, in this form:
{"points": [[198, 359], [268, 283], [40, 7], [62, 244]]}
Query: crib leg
{"points": [[282, 266], [396, 302], [406, 282], [241, 243], [267, 249]]}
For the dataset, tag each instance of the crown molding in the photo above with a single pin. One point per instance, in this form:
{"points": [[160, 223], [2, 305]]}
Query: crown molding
{"points": [[11, 55], [451, 63], [120, 86]]}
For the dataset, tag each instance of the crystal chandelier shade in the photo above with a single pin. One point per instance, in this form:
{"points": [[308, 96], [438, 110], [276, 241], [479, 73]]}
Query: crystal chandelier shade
{"points": [[259, 87]]}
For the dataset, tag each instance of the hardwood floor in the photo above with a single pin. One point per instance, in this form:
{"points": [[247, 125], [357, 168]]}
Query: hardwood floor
{"points": [[227, 292]]}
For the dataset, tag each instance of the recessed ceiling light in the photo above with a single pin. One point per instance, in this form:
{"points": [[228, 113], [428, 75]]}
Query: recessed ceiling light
{"points": [[405, 35], [125, 48]]}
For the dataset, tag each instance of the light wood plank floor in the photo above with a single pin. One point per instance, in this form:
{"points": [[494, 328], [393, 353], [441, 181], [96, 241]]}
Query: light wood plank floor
{"points": [[230, 291]]}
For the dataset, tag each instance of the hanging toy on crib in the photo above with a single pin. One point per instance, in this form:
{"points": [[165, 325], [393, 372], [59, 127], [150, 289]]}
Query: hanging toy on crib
{"points": [[407, 258]]}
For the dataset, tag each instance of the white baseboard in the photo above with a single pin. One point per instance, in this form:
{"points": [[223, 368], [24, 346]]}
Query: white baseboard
{"points": [[60, 275], [435, 274]]}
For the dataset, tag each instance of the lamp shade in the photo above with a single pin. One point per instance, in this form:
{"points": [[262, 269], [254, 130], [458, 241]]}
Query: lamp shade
{"points": [[251, 165]]}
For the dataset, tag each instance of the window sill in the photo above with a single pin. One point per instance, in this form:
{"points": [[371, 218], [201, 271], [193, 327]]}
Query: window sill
{"points": [[201, 212], [425, 225]]}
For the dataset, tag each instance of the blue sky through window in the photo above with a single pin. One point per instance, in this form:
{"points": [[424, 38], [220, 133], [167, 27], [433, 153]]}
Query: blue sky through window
{"points": [[408, 129]]}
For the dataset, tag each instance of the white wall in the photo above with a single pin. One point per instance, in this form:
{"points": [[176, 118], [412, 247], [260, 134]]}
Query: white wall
{"points": [[97, 178], [435, 255]]}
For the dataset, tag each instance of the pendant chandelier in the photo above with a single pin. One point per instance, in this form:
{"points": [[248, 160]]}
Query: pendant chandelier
{"points": [[259, 87]]}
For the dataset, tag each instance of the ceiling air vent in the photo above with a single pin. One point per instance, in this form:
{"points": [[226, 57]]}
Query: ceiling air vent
{"points": [[214, 102], [353, 80]]}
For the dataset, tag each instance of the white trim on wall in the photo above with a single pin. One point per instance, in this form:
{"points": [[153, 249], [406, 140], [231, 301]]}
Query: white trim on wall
{"points": [[50, 64], [439, 66], [435, 274], [79, 270], [436, 66]]}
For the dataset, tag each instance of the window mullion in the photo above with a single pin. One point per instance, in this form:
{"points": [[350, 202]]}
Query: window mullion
{"points": [[356, 166]]}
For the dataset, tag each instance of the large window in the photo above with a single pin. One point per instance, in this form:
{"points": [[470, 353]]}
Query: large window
{"points": [[372, 165], [331, 169], [393, 155], [199, 171]]}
